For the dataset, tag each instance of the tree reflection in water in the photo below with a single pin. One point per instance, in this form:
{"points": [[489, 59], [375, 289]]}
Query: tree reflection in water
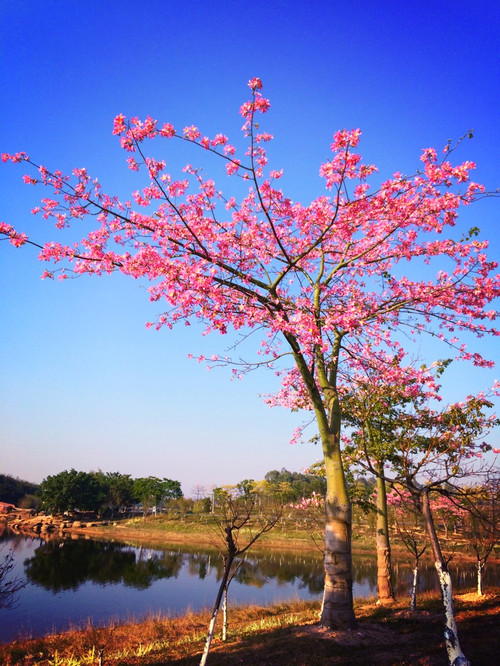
{"points": [[66, 565]]}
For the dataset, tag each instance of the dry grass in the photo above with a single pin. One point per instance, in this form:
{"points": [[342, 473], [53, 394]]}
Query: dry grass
{"points": [[286, 633]]}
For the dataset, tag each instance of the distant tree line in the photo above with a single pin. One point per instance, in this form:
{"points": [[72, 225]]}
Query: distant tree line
{"points": [[18, 492], [105, 492], [97, 492], [295, 485], [110, 492]]}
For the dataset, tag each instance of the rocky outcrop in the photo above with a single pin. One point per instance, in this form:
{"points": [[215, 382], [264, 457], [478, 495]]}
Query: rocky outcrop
{"points": [[26, 521]]}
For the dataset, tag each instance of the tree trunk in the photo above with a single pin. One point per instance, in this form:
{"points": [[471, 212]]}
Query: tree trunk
{"points": [[413, 601], [455, 655], [384, 566], [224, 614], [480, 567], [211, 628], [337, 607]]}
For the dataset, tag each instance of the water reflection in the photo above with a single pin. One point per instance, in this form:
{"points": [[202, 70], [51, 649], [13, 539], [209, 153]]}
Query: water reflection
{"points": [[65, 565], [73, 580], [68, 564]]}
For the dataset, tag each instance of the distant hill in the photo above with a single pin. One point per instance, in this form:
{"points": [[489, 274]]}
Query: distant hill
{"points": [[12, 490]]}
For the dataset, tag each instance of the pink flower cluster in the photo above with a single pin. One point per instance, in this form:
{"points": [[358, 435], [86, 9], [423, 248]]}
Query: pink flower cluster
{"points": [[306, 275]]}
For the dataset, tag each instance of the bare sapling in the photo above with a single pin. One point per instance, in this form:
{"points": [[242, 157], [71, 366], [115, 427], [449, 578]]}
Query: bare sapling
{"points": [[406, 522], [455, 655], [240, 522], [482, 523]]}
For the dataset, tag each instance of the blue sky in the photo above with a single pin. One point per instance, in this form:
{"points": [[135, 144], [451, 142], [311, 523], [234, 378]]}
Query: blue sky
{"points": [[83, 383]]}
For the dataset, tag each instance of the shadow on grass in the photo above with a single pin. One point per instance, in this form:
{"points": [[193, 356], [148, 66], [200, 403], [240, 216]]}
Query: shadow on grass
{"points": [[396, 638], [280, 635]]}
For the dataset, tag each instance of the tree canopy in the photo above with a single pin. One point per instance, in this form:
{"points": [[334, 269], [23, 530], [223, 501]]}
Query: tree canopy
{"points": [[328, 286]]}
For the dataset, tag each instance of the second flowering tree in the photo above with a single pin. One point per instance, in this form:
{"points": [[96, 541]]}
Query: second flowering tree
{"points": [[323, 283]]}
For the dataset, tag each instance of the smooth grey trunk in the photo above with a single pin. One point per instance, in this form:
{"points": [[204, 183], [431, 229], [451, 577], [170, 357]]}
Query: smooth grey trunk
{"points": [[337, 609], [455, 655], [384, 564]]}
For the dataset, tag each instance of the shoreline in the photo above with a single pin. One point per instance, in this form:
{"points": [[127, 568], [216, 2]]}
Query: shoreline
{"points": [[279, 634], [174, 531]]}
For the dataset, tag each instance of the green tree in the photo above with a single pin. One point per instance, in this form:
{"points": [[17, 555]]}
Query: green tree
{"points": [[151, 491], [70, 490], [13, 490], [118, 488], [295, 485]]}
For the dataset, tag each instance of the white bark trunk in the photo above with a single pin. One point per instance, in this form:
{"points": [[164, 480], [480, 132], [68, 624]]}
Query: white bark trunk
{"points": [[480, 567], [224, 615], [455, 655], [413, 602], [210, 635]]}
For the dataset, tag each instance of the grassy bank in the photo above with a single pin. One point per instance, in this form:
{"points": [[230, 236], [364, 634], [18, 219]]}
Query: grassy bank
{"points": [[281, 634], [201, 530], [198, 530]]}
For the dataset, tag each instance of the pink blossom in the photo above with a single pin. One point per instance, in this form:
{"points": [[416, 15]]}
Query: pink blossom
{"points": [[167, 130], [255, 84], [192, 133], [298, 274]]}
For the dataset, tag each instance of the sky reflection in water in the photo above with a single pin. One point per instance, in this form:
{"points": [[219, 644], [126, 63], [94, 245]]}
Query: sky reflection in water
{"points": [[73, 580]]}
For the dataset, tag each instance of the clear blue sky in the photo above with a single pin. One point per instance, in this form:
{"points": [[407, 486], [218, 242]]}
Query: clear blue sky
{"points": [[83, 384]]}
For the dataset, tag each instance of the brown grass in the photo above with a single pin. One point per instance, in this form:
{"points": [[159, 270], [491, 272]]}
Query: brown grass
{"points": [[286, 633]]}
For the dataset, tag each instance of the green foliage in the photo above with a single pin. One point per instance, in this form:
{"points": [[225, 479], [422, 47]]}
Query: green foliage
{"points": [[98, 491], [152, 491], [245, 487], [293, 486], [13, 490], [360, 491], [70, 490], [118, 489]]}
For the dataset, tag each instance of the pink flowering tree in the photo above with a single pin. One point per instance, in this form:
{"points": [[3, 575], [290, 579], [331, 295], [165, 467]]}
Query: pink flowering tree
{"points": [[448, 513], [481, 516], [323, 283], [373, 409], [431, 453], [407, 522]]}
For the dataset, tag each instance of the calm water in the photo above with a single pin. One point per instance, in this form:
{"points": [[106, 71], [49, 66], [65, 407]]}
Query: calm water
{"points": [[72, 581]]}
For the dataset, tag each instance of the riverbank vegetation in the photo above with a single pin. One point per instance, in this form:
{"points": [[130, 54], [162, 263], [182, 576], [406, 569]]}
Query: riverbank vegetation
{"points": [[285, 633], [112, 493]]}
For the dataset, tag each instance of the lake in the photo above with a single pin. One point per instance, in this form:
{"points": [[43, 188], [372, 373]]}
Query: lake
{"points": [[73, 581]]}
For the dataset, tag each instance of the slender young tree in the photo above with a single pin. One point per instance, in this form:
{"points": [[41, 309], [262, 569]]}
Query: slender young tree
{"points": [[9, 586], [327, 283], [435, 449], [233, 515], [373, 409], [481, 509], [407, 521]]}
